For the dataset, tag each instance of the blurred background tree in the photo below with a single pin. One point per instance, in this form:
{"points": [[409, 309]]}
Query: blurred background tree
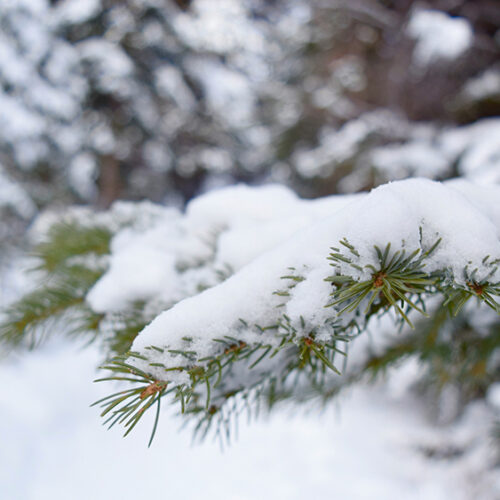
{"points": [[165, 99]]}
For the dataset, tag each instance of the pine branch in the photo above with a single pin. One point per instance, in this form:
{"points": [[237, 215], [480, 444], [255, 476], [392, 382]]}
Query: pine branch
{"points": [[399, 283], [60, 304], [207, 392], [397, 278], [59, 300], [296, 341], [123, 328], [67, 240]]}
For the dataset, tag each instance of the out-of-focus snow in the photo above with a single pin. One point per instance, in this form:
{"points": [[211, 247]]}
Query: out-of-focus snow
{"points": [[476, 149], [484, 86], [170, 82], [493, 396], [376, 444], [76, 11], [231, 76], [13, 196], [418, 156], [82, 173], [109, 62], [439, 36], [220, 27], [346, 143], [210, 68], [411, 151], [228, 92]]}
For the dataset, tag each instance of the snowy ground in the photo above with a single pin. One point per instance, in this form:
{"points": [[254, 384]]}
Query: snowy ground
{"points": [[375, 443], [368, 446]]}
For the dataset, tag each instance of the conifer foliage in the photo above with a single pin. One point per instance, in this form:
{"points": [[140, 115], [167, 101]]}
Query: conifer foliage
{"points": [[254, 296]]}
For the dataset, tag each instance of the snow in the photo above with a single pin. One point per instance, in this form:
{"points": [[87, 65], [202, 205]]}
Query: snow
{"points": [[347, 143], [426, 151], [82, 173], [243, 57], [259, 234], [12, 195], [493, 396], [223, 229], [14, 69], [76, 11], [201, 270], [375, 443], [110, 64], [417, 157], [476, 149], [42, 88], [378, 441], [482, 196], [439, 36], [219, 27], [225, 89], [18, 122], [382, 146], [484, 86], [338, 147], [140, 267], [170, 82]]}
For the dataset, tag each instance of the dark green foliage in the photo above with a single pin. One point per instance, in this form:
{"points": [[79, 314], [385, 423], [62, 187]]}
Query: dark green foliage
{"points": [[120, 329], [37, 313], [206, 396], [452, 352], [398, 277], [67, 240], [294, 360], [399, 283], [68, 263], [128, 406]]}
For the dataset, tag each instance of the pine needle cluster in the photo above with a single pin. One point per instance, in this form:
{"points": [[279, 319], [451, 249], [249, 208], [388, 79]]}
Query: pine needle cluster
{"points": [[299, 358]]}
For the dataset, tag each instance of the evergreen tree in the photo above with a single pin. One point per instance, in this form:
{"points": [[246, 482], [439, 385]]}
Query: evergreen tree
{"points": [[254, 296], [104, 99]]}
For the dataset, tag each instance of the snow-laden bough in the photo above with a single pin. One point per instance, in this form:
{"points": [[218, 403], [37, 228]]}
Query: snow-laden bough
{"points": [[304, 292]]}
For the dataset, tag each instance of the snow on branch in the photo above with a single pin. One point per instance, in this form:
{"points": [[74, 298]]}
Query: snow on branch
{"points": [[294, 306], [253, 292]]}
